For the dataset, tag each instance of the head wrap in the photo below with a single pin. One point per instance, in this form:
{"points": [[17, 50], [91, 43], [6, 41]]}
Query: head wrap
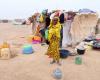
{"points": [[54, 29]]}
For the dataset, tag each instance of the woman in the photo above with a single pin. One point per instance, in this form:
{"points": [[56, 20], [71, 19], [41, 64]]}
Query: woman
{"points": [[54, 40], [44, 28]]}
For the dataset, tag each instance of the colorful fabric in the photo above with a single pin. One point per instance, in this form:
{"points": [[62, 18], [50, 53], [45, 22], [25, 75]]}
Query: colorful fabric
{"points": [[37, 31], [46, 34], [41, 18]]}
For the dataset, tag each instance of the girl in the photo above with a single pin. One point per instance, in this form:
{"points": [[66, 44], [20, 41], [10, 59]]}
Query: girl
{"points": [[54, 40]]}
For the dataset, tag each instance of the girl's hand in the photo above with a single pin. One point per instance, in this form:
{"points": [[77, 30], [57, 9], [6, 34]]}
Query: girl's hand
{"points": [[53, 36]]}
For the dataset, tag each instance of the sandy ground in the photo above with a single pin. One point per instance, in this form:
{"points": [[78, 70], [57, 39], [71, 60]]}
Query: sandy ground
{"points": [[36, 66]]}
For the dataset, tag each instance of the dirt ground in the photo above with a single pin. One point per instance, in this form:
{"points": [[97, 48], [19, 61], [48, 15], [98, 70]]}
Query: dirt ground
{"points": [[37, 66]]}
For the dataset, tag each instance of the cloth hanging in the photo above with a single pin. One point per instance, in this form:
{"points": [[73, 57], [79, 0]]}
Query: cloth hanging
{"points": [[66, 33], [61, 17]]}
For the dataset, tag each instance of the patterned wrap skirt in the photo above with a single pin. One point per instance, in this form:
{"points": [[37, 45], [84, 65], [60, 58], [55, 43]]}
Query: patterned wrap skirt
{"points": [[53, 49]]}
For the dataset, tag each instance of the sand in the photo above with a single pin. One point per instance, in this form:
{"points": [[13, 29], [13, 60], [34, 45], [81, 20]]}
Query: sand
{"points": [[37, 66]]}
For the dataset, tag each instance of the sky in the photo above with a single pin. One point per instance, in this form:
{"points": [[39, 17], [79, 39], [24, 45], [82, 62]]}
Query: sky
{"points": [[10, 9]]}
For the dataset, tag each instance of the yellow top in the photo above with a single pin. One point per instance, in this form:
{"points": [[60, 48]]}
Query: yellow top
{"points": [[54, 30]]}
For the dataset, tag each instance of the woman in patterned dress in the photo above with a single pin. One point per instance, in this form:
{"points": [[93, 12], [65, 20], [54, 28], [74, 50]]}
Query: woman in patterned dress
{"points": [[54, 40]]}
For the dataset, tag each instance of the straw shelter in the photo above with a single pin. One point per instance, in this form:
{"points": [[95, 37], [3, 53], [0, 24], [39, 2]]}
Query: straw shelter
{"points": [[82, 26]]}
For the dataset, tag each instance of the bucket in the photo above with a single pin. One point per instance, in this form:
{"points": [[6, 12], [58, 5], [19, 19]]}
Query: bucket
{"points": [[80, 52], [64, 53], [78, 60], [57, 74], [27, 49]]}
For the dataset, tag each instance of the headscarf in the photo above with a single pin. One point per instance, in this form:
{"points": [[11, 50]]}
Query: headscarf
{"points": [[54, 29], [44, 12]]}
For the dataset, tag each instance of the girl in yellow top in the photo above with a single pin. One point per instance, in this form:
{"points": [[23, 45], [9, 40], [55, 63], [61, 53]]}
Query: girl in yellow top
{"points": [[54, 40]]}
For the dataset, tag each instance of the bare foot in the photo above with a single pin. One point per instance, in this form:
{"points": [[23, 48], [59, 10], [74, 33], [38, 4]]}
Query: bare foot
{"points": [[58, 63], [52, 62]]}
